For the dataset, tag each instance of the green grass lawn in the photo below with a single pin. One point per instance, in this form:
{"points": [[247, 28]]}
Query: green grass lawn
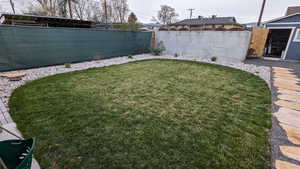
{"points": [[156, 114]]}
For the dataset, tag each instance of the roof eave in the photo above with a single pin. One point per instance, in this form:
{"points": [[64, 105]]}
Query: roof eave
{"points": [[205, 24], [283, 17]]}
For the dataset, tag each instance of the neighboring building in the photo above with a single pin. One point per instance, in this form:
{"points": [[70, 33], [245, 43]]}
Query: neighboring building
{"points": [[44, 21], [284, 37], [101, 25], [151, 26], [208, 23], [292, 10], [251, 25]]}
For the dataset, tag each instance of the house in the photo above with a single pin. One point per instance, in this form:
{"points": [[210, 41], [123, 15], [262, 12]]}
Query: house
{"points": [[152, 26], [284, 37], [208, 23], [251, 25], [292, 10]]}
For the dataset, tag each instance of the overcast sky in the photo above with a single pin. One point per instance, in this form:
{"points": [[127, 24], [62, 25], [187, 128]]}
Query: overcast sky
{"points": [[244, 10]]}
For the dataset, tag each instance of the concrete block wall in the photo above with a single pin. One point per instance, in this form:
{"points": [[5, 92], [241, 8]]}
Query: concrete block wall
{"points": [[225, 45]]}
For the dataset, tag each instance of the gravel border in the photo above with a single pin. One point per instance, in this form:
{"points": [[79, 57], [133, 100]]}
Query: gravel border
{"points": [[7, 87]]}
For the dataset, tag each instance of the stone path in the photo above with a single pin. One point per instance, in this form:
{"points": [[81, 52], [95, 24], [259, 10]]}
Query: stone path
{"points": [[287, 83]]}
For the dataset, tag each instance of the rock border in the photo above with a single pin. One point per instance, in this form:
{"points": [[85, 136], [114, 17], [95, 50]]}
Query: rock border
{"points": [[7, 87]]}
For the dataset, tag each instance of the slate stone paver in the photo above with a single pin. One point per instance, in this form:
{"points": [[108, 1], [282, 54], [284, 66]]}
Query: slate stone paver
{"points": [[284, 75], [286, 85], [288, 117], [295, 82], [293, 133], [288, 104], [281, 68], [289, 92], [287, 97], [286, 78], [285, 165], [291, 152], [284, 72]]}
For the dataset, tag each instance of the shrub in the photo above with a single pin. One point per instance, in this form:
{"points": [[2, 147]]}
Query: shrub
{"points": [[67, 65], [130, 57], [214, 59], [158, 49], [127, 27]]}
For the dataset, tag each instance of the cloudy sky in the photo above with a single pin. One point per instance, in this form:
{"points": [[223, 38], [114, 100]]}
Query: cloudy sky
{"points": [[244, 10]]}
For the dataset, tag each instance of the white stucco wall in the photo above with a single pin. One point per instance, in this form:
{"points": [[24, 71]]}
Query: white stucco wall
{"points": [[226, 45]]}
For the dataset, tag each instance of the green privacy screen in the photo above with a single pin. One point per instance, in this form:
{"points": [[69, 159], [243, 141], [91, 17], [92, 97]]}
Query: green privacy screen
{"points": [[28, 47]]}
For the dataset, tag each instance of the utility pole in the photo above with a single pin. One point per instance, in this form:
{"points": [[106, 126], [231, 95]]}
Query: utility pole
{"points": [[105, 12], [12, 6], [191, 12], [261, 13]]}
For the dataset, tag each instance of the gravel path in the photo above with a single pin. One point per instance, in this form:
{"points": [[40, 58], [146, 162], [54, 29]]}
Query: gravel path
{"points": [[7, 87]]}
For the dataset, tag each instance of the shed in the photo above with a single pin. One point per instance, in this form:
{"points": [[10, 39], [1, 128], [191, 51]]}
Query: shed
{"points": [[284, 37], [46, 21]]}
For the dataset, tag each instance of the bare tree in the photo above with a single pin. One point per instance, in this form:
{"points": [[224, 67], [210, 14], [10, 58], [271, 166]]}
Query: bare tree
{"points": [[45, 7], [114, 10], [167, 14], [121, 9], [88, 10], [154, 20], [69, 2], [81, 8], [36, 10]]}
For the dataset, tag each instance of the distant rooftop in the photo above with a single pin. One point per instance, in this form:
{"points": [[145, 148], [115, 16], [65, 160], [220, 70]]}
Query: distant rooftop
{"points": [[35, 20], [152, 25], [207, 21], [293, 10]]}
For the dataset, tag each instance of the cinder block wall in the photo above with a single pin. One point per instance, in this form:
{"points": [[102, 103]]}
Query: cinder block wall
{"points": [[226, 45]]}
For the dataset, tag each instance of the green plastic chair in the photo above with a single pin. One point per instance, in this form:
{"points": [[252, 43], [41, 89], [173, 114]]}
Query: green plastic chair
{"points": [[17, 154]]}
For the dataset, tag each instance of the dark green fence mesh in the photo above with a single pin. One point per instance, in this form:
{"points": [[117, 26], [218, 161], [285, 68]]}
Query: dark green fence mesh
{"points": [[27, 47]]}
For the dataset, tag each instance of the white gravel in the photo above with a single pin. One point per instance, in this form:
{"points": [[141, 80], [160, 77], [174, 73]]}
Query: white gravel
{"points": [[7, 87]]}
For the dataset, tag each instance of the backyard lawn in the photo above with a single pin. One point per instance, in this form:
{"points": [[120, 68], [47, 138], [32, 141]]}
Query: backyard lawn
{"points": [[156, 114]]}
